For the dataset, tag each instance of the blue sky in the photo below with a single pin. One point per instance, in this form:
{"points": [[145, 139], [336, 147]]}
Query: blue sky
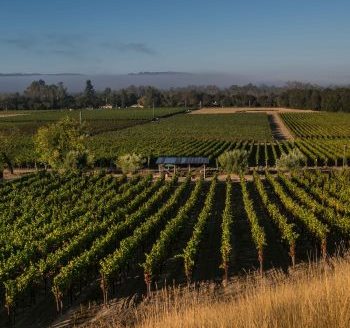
{"points": [[306, 39]]}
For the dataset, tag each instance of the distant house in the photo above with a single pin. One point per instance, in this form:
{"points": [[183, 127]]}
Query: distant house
{"points": [[107, 106], [136, 106]]}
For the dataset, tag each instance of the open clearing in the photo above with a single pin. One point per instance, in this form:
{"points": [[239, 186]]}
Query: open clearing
{"points": [[279, 130], [231, 110]]}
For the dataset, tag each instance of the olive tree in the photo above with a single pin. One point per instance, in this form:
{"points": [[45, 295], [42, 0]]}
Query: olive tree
{"points": [[292, 161], [130, 163], [235, 161]]}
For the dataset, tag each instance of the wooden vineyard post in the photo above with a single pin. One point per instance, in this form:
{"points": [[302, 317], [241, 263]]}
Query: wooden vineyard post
{"points": [[261, 260], [188, 274], [104, 288], [58, 298], [9, 310], [292, 253], [324, 248], [148, 282], [11, 314], [225, 280]]}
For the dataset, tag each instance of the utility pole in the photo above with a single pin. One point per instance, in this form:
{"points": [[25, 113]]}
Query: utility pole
{"points": [[153, 110], [81, 117]]}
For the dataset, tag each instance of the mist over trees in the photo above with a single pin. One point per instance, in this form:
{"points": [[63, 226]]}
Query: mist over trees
{"points": [[40, 95]]}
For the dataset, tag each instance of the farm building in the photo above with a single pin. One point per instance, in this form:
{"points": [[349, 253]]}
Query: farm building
{"points": [[165, 163]]}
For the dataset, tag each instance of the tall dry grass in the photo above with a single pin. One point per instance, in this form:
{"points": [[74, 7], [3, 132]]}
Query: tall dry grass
{"points": [[315, 297]]}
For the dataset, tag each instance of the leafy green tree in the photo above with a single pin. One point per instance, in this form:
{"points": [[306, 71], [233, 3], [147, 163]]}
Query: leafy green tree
{"points": [[151, 96], [235, 161], [130, 163], [8, 150], [291, 161], [90, 98], [62, 145]]}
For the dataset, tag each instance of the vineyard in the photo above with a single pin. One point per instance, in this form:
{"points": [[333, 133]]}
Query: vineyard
{"points": [[100, 120], [318, 125], [322, 137], [62, 235]]}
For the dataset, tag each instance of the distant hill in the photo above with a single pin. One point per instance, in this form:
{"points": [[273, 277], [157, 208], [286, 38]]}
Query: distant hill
{"points": [[160, 73], [37, 74]]}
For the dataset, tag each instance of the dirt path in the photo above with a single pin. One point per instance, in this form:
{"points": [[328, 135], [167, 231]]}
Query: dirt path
{"points": [[278, 128], [10, 115]]}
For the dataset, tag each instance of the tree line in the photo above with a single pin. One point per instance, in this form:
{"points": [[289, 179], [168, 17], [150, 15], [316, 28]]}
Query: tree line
{"points": [[39, 95]]}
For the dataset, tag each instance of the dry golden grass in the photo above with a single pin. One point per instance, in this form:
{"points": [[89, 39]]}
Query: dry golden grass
{"points": [[315, 296]]}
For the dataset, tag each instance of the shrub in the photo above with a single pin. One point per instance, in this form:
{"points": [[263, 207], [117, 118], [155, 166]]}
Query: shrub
{"points": [[235, 161], [291, 161], [130, 163]]}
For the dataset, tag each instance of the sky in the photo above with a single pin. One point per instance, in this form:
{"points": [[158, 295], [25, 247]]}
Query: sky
{"points": [[272, 39]]}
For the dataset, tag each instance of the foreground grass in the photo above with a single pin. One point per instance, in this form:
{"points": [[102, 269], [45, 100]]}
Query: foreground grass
{"points": [[311, 296], [317, 297]]}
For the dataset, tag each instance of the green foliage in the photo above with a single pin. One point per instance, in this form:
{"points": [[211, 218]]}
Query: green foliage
{"points": [[65, 227], [300, 212], [62, 145], [258, 233], [8, 149], [235, 161], [89, 97], [169, 234], [130, 163], [226, 226], [318, 125], [116, 261], [191, 250], [291, 161], [286, 229]]}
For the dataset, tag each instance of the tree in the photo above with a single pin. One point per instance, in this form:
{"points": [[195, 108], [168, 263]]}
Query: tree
{"points": [[8, 150], [90, 98], [235, 161], [107, 96], [130, 163], [151, 97], [62, 145], [291, 161]]}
